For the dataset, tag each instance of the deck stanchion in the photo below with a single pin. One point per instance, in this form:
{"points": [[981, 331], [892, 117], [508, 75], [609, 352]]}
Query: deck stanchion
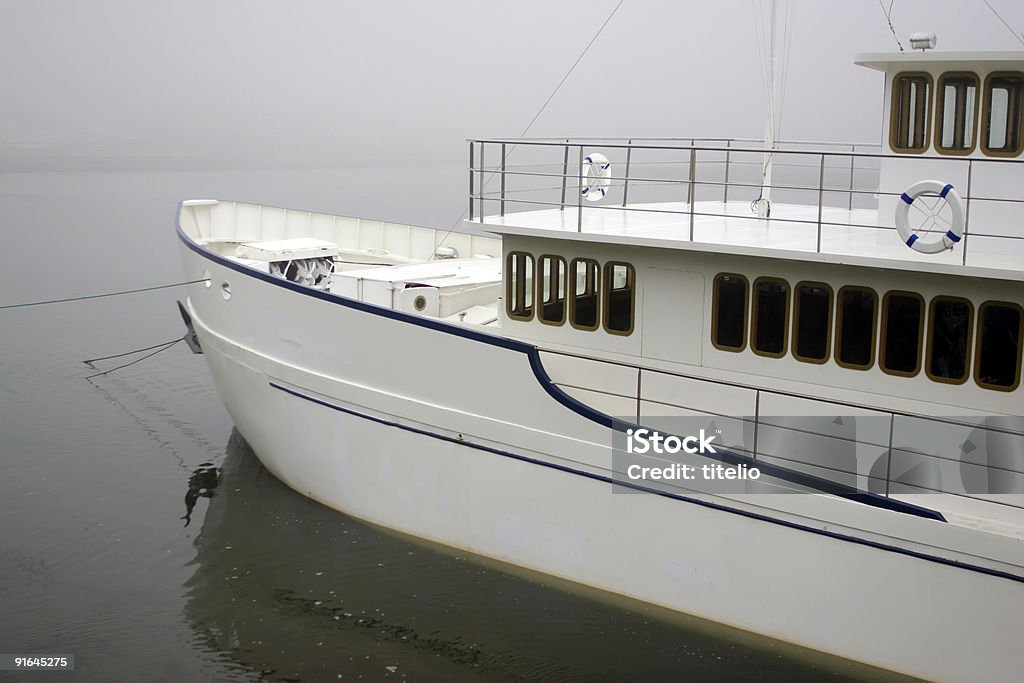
{"points": [[481, 181], [853, 150], [821, 193], [625, 183], [728, 155], [693, 174], [757, 419], [967, 208], [502, 202], [565, 172], [579, 195], [471, 180], [888, 459]]}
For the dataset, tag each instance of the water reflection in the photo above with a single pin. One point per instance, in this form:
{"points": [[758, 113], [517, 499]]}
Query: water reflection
{"points": [[290, 590], [201, 484]]}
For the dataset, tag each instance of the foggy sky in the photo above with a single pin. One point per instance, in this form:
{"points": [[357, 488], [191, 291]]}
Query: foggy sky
{"points": [[345, 84]]}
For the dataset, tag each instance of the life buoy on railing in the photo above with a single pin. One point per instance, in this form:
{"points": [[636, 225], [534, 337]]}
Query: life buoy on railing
{"points": [[947, 233], [597, 177]]}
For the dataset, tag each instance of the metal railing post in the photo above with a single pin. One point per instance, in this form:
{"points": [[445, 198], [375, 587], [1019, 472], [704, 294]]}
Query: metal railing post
{"points": [[821, 193], [967, 208], [692, 197], [728, 154], [757, 420], [888, 462], [471, 180], [579, 194], [625, 183], [565, 172], [853, 151], [501, 204], [481, 181]]}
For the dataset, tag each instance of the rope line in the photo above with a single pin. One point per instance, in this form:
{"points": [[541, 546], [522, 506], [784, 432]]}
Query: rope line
{"points": [[100, 296], [137, 360], [90, 361], [1018, 36]]}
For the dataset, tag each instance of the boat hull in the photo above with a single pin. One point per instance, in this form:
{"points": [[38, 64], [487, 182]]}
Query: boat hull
{"points": [[389, 419]]}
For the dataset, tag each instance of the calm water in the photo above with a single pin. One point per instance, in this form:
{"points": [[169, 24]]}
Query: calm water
{"points": [[142, 535]]}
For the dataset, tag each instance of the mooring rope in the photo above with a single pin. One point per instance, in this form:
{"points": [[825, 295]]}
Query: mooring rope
{"points": [[161, 349], [101, 296]]}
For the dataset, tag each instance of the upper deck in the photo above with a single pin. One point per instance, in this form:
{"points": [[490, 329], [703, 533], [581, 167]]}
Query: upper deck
{"points": [[829, 201]]}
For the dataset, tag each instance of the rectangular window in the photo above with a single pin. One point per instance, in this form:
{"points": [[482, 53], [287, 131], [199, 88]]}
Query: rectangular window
{"points": [[999, 346], [909, 118], [619, 297], [519, 286], [1001, 135], [729, 312], [902, 328], [956, 108], [855, 322], [770, 313], [812, 321], [551, 281], [585, 287], [949, 339]]}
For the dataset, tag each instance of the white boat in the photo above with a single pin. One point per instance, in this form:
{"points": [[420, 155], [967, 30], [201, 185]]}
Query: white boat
{"points": [[849, 331]]}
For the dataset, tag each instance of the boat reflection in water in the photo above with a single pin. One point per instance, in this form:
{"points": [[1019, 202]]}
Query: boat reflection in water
{"points": [[287, 589]]}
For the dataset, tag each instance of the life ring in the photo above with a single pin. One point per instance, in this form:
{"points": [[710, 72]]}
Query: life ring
{"points": [[597, 177], [943, 241]]}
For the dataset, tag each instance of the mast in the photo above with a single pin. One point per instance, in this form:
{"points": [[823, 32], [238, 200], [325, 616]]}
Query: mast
{"points": [[762, 205]]}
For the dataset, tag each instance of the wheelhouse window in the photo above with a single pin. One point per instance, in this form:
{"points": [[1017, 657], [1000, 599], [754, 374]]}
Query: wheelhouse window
{"points": [[955, 113], [855, 323], [998, 361], [770, 311], [619, 297], [812, 321], [729, 312], [902, 330], [551, 293], [949, 339], [909, 118], [519, 286], [585, 283], [1001, 118]]}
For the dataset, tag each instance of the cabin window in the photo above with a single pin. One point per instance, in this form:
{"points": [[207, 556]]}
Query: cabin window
{"points": [[902, 330], [909, 119], [770, 311], [812, 321], [949, 339], [855, 324], [1001, 134], [999, 346], [729, 312], [519, 286], [551, 292], [583, 308], [619, 297], [956, 109]]}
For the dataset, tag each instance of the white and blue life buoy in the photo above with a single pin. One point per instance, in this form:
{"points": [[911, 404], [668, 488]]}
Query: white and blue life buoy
{"points": [[946, 233], [597, 177]]}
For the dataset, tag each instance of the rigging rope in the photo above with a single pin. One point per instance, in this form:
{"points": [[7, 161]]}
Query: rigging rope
{"points": [[101, 296], [1018, 36], [534, 119], [888, 18]]}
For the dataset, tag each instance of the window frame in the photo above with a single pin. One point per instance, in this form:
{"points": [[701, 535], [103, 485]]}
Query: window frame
{"points": [[986, 112], [970, 338], [883, 331], [940, 104], [606, 297], [754, 318], [571, 293], [875, 333], [796, 319], [509, 284], [746, 310], [978, 347], [893, 108], [538, 277]]}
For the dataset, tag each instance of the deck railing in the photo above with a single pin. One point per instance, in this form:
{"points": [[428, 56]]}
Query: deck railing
{"points": [[695, 174]]}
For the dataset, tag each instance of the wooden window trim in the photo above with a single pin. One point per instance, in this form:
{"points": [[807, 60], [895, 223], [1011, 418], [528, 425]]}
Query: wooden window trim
{"points": [[539, 297], [521, 289], [977, 345], [571, 293], [714, 313], [874, 327], [987, 102], [893, 108], [753, 317], [883, 332], [796, 321], [940, 104], [970, 338], [606, 296]]}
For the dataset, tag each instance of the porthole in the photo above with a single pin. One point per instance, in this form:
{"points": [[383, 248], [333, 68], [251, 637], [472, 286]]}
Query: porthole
{"points": [[420, 302]]}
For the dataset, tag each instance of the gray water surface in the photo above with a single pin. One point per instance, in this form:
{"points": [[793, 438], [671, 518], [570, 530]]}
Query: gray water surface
{"points": [[141, 534]]}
